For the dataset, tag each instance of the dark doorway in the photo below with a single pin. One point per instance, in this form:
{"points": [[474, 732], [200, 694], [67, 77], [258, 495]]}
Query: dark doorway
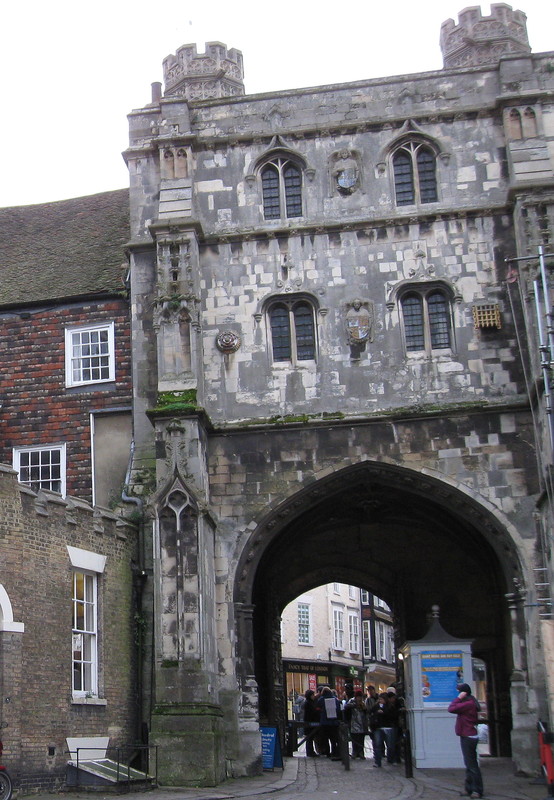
{"points": [[416, 542]]}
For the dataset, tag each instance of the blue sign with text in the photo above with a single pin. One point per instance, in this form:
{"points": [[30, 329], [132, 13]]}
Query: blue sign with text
{"points": [[271, 748]]}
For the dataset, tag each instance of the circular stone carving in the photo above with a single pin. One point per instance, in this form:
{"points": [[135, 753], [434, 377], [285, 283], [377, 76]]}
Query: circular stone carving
{"points": [[227, 341]]}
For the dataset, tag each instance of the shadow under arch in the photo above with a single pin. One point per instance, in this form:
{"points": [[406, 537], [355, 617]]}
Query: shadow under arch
{"points": [[415, 540]]}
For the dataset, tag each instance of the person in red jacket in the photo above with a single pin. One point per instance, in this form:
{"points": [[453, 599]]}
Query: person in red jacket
{"points": [[467, 708]]}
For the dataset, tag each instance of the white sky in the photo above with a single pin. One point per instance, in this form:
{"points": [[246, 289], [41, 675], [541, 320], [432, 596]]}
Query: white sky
{"points": [[72, 70]]}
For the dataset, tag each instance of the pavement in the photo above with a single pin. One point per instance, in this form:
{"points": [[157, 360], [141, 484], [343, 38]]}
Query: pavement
{"points": [[323, 779]]}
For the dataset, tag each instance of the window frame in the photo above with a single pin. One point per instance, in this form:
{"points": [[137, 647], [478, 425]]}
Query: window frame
{"points": [[90, 579], [380, 640], [36, 486], [417, 173], [338, 628], [306, 624], [367, 641], [70, 331], [286, 193], [297, 337], [428, 326], [353, 632]]}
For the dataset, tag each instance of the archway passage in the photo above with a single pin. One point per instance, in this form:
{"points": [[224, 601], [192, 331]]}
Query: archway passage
{"points": [[412, 540]]}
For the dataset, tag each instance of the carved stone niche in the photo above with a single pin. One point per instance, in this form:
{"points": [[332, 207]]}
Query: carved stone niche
{"points": [[345, 172], [360, 324]]}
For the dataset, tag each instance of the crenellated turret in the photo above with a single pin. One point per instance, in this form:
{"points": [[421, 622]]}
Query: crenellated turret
{"points": [[478, 40], [202, 76]]}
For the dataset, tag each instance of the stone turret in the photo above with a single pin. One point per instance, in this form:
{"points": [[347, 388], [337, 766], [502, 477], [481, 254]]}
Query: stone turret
{"points": [[478, 40], [203, 76]]}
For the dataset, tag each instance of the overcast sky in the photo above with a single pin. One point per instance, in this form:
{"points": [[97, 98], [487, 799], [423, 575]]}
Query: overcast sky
{"points": [[72, 70]]}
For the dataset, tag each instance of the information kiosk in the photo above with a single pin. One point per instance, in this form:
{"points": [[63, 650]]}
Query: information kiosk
{"points": [[433, 669]]}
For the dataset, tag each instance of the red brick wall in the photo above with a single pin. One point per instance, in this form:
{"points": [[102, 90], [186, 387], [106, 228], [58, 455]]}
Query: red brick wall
{"points": [[37, 408]]}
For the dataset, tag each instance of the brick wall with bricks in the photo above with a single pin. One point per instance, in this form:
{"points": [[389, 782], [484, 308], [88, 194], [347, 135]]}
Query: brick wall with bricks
{"points": [[40, 706]]}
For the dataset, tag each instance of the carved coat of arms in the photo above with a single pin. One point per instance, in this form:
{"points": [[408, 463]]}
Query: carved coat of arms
{"points": [[360, 319]]}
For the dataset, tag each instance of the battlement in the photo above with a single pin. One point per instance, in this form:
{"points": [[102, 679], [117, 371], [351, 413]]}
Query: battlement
{"points": [[218, 72], [478, 39]]}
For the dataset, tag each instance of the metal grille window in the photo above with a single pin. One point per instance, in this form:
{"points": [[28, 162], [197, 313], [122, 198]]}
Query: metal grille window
{"points": [[292, 331], [89, 355], [338, 629], [415, 179], [84, 634], [353, 633], [487, 315], [41, 467], [304, 624], [281, 189], [427, 321]]}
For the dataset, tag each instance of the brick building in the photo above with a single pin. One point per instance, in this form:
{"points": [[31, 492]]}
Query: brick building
{"points": [[65, 386], [65, 426], [58, 557]]}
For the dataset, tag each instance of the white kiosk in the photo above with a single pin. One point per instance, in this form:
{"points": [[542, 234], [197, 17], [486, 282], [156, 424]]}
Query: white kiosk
{"points": [[433, 668]]}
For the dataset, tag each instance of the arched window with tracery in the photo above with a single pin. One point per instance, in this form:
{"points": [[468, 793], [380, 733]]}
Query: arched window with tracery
{"points": [[415, 173], [426, 319], [292, 330], [281, 188]]}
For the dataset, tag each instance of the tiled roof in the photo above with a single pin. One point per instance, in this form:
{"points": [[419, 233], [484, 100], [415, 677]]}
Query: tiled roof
{"points": [[64, 249]]}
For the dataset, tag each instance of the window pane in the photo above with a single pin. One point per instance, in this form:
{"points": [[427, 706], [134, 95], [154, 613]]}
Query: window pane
{"points": [[280, 333], [439, 323], [90, 356], [84, 633], [304, 330], [270, 192], [412, 312], [293, 190], [426, 175], [303, 623], [366, 633], [41, 469], [403, 178]]}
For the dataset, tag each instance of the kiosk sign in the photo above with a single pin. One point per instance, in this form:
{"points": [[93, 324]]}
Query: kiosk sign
{"points": [[441, 674]]}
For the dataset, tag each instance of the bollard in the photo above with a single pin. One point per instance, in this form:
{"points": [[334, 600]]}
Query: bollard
{"points": [[408, 766], [343, 744]]}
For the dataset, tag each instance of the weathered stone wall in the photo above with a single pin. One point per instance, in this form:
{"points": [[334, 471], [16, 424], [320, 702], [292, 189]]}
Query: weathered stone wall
{"points": [[203, 251]]}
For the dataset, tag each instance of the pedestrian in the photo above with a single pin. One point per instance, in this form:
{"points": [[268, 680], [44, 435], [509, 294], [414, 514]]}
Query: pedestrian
{"points": [[383, 720], [330, 711], [357, 717], [398, 705], [311, 721], [467, 708]]}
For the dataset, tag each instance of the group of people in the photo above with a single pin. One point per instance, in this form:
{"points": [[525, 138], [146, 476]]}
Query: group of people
{"points": [[376, 715], [380, 716]]}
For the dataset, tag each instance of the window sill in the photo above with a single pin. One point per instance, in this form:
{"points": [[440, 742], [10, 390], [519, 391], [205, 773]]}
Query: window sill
{"points": [[93, 386], [309, 363], [88, 701]]}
